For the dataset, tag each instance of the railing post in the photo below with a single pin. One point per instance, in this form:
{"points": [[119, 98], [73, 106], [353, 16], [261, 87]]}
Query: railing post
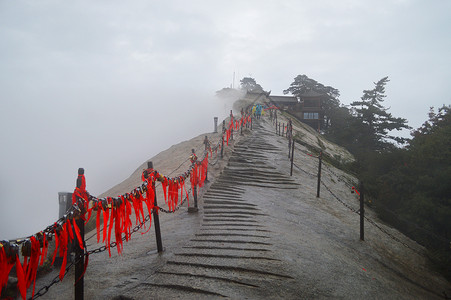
{"points": [[283, 129], [79, 266], [195, 197], [292, 158], [222, 143], [222, 147], [206, 143], [156, 218], [241, 126], [289, 147], [319, 173], [232, 121], [362, 212], [216, 125]]}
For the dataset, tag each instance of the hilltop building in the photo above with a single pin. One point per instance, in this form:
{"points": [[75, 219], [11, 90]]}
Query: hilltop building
{"points": [[308, 107]]}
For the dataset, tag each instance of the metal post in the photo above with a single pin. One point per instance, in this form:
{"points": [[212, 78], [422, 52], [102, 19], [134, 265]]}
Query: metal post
{"points": [[156, 218], [241, 122], [283, 129], [319, 173], [195, 196], [222, 147], [216, 124], [206, 143], [79, 266], [195, 208], [362, 212], [289, 147], [292, 158], [222, 143]]}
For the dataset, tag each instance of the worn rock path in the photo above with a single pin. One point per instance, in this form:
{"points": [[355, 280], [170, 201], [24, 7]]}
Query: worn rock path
{"points": [[233, 254], [261, 234]]}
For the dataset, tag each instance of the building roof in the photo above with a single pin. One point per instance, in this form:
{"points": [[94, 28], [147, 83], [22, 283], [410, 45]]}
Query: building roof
{"points": [[284, 99]]}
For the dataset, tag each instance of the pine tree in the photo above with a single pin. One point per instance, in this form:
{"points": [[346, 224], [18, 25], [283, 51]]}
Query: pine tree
{"points": [[302, 84], [375, 120]]}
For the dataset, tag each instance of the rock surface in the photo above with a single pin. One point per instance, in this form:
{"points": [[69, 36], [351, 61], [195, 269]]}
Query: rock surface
{"points": [[259, 234]]}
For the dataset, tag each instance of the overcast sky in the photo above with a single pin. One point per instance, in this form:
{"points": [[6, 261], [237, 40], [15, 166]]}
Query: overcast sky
{"points": [[105, 85]]}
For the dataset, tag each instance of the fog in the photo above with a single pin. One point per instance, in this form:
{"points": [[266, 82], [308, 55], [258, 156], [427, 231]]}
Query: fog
{"points": [[106, 85]]}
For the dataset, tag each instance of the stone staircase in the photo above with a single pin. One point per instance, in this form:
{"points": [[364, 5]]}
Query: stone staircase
{"points": [[233, 254]]}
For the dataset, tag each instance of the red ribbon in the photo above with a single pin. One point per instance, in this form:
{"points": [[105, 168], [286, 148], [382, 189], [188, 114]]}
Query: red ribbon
{"points": [[63, 250], [5, 269], [20, 279], [77, 233]]}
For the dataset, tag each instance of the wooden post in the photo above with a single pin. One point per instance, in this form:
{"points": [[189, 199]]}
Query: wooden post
{"points": [[195, 196], [233, 125], [195, 208], [241, 126], [222, 143], [362, 212], [156, 218], [289, 147], [216, 125], [206, 143], [319, 173], [292, 158], [79, 266], [222, 147]]}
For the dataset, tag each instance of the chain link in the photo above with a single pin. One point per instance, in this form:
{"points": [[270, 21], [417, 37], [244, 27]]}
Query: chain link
{"points": [[339, 200], [309, 174], [340, 177], [371, 221], [42, 291], [167, 211]]}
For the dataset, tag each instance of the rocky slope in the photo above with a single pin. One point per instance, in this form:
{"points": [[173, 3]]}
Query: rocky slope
{"points": [[260, 233]]}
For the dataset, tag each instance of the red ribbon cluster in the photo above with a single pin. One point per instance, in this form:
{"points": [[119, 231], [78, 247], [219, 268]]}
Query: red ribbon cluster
{"points": [[116, 215], [236, 125], [34, 251]]}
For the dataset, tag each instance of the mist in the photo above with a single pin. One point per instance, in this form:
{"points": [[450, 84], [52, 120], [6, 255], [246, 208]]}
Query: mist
{"points": [[106, 85]]}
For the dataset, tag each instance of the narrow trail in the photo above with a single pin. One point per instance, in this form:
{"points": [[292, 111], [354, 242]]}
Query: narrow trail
{"points": [[232, 254], [262, 234]]}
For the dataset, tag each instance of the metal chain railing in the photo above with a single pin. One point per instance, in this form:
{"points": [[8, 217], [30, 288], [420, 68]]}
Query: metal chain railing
{"points": [[176, 208], [369, 220], [42, 291], [309, 174]]}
